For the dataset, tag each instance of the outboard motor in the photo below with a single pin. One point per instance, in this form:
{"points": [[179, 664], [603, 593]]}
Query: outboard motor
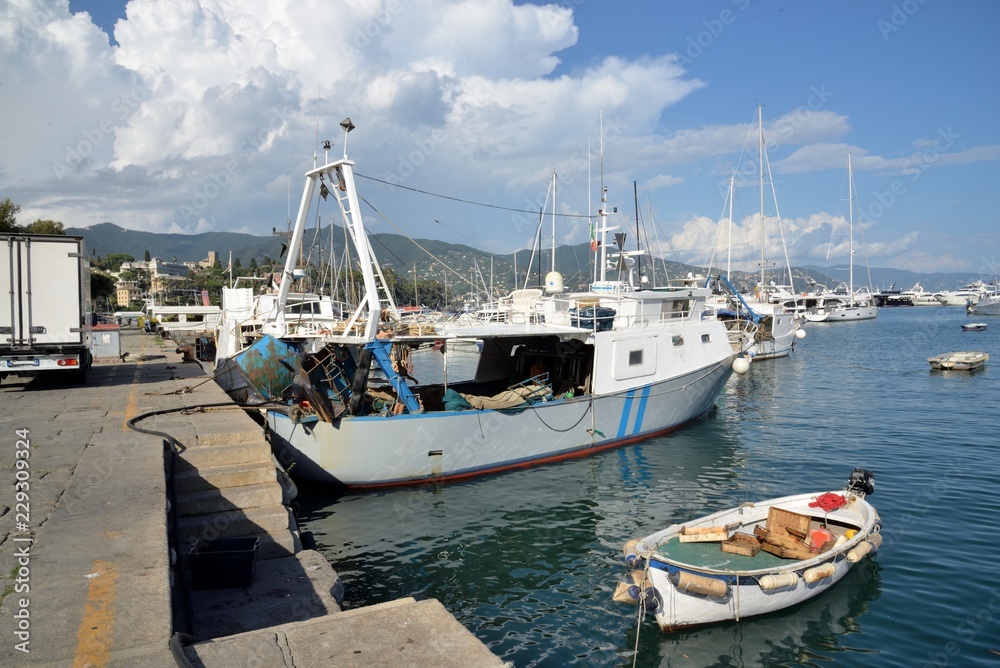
{"points": [[862, 480]]}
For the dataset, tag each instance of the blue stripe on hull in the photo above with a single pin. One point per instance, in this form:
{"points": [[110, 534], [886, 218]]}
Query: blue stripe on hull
{"points": [[626, 413], [641, 413]]}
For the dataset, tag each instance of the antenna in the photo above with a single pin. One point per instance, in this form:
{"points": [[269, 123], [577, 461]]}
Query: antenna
{"points": [[316, 142]]}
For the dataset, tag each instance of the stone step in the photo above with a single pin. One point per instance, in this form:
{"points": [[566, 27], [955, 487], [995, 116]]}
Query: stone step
{"points": [[217, 500], [271, 519], [274, 545], [279, 544], [283, 590], [404, 632], [226, 454], [216, 477]]}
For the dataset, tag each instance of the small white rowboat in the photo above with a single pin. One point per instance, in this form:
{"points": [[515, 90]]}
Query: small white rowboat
{"points": [[958, 361], [754, 559]]}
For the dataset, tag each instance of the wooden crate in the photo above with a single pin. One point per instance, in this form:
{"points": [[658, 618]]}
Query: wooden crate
{"points": [[742, 543], [794, 523], [703, 534], [800, 554]]}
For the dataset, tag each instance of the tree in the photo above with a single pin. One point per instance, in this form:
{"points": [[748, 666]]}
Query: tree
{"points": [[145, 256], [8, 216], [45, 227], [101, 287]]}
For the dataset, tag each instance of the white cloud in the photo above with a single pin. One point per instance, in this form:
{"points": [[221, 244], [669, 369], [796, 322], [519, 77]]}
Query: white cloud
{"points": [[196, 120], [662, 181]]}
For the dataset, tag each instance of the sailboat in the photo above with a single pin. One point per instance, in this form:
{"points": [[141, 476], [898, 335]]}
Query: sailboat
{"points": [[777, 327], [566, 375], [850, 305]]}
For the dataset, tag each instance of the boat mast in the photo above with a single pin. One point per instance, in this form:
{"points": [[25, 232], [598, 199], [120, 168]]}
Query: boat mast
{"points": [[850, 227], [603, 213], [638, 237], [553, 220], [729, 252], [763, 229]]}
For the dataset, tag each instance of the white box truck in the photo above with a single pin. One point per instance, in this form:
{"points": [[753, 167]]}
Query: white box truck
{"points": [[45, 319]]}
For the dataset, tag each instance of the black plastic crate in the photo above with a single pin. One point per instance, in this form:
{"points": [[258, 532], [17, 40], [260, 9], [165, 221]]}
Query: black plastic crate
{"points": [[597, 318], [223, 563]]}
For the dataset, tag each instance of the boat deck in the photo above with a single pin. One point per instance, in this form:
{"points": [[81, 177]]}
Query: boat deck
{"points": [[710, 555]]}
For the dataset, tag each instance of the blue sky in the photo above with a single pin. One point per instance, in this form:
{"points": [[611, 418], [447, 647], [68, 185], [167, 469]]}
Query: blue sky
{"points": [[194, 115]]}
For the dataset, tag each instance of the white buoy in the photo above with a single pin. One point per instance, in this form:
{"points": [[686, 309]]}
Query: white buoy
{"points": [[778, 581], [865, 547], [821, 572], [800, 333], [741, 365]]}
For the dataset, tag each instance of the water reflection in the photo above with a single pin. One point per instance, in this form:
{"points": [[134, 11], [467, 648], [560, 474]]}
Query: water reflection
{"points": [[811, 634]]}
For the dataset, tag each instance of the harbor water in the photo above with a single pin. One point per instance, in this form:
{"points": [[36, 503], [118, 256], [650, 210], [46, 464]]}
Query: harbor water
{"points": [[528, 560]]}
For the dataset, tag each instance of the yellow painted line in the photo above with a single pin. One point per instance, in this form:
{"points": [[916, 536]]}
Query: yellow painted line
{"points": [[97, 628], [132, 406]]}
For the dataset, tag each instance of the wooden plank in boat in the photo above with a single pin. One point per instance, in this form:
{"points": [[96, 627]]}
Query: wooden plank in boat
{"points": [[714, 534]]}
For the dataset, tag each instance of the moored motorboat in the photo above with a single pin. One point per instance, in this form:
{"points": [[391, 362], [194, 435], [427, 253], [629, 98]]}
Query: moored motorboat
{"points": [[986, 304], [959, 361], [752, 559], [974, 327]]}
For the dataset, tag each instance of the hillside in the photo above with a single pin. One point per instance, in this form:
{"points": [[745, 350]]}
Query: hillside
{"points": [[430, 257]]}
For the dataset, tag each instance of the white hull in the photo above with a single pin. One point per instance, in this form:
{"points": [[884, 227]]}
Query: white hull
{"points": [[738, 591], [842, 314], [956, 299], [986, 306], [375, 451], [779, 340]]}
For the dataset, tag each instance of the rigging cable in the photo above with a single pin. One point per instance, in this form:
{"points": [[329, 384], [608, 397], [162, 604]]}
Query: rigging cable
{"points": [[466, 201]]}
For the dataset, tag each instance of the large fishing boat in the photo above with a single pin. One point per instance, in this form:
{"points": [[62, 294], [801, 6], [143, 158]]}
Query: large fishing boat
{"points": [[562, 375]]}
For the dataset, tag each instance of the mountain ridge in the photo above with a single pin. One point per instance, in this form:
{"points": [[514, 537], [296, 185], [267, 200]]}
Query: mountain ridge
{"points": [[404, 255]]}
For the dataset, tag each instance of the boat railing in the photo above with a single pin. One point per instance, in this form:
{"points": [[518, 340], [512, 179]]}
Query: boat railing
{"points": [[741, 333]]}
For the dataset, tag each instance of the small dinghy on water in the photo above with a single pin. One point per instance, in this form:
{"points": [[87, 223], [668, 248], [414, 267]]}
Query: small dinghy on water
{"points": [[959, 361], [754, 559], [974, 327]]}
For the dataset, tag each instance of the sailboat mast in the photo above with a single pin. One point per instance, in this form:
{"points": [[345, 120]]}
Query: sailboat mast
{"points": [[638, 238], [850, 227], [763, 229], [729, 252]]}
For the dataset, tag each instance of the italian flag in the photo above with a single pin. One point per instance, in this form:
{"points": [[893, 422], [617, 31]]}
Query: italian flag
{"points": [[593, 238]]}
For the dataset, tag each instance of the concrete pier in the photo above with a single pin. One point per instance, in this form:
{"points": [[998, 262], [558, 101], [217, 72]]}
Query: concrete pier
{"points": [[87, 563]]}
